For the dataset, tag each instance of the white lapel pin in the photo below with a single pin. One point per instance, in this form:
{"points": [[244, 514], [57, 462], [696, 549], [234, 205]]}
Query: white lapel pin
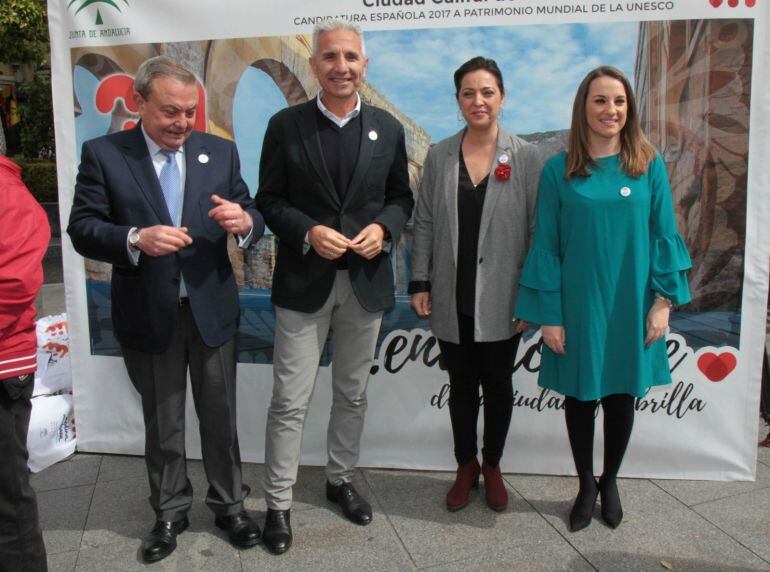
{"points": [[373, 135], [503, 159], [203, 158], [625, 192]]}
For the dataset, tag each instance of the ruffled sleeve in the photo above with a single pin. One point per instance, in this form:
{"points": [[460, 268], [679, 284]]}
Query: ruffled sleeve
{"points": [[669, 257], [539, 299], [670, 262]]}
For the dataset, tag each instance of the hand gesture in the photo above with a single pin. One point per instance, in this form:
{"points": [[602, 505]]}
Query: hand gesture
{"points": [[555, 338], [230, 216], [421, 303], [657, 322], [160, 240], [368, 242], [327, 242]]}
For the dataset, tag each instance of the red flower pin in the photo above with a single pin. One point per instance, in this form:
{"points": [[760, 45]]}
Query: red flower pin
{"points": [[503, 172]]}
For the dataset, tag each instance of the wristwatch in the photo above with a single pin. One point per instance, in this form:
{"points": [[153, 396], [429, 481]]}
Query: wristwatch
{"points": [[133, 238]]}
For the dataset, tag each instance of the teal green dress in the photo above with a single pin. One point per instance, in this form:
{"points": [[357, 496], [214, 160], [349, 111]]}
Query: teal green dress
{"points": [[603, 246]]}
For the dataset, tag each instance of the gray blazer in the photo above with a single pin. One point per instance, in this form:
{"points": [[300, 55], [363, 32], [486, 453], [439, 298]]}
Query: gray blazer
{"points": [[507, 226]]}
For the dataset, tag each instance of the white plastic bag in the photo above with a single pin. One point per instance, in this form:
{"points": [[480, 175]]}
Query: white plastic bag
{"points": [[54, 374], [51, 435]]}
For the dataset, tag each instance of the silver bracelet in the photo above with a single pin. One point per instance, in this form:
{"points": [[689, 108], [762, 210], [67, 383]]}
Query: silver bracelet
{"points": [[659, 296]]}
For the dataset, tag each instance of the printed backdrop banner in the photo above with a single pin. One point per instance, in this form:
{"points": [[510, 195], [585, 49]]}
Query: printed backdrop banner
{"points": [[700, 71]]}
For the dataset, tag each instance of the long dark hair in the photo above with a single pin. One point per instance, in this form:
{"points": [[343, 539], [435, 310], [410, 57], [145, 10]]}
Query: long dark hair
{"points": [[636, 152]]}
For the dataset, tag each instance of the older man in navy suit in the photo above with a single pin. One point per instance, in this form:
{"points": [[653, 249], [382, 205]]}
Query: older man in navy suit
{"points": [[158, 202]]}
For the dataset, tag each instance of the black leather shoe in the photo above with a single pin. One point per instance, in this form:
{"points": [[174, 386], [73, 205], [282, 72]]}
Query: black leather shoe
{"points": [[612, 509], [241, 529], [582, 511], [277, 535], [162, 539], [353, 505]]}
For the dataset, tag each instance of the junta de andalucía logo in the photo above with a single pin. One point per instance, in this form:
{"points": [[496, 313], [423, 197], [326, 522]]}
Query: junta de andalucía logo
{"points": [[86, 3]]}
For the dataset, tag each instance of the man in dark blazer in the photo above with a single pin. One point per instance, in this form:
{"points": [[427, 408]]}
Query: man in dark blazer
{"points": [[334, 188], [158, 202]]}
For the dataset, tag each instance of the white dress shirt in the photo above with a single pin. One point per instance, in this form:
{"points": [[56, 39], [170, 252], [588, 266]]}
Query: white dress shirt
{"points": [[333, 118]]}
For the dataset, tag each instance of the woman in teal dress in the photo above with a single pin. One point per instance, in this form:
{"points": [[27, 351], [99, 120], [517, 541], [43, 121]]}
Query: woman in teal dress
{"points": [[606, 265]]}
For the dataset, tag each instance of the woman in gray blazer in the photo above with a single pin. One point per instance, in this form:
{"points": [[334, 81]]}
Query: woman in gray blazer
{"points": [[473, 223]]}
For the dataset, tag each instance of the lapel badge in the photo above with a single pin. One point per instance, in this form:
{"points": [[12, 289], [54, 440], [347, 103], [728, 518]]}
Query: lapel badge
{"points": [[625, 192], [373, 135], [503, 159], [203, 158]]}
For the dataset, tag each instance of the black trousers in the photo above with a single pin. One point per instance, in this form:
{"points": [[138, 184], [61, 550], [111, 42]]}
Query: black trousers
{"points": [[471, 365], [161, 380], [21, 541]]}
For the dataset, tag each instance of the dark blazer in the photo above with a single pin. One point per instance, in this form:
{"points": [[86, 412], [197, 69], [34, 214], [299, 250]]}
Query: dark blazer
{"points": [[117, 189], [297, 193]]}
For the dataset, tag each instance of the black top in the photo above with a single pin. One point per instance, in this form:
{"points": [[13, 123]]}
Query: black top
{"points": [[339, 146], [470, 203]]}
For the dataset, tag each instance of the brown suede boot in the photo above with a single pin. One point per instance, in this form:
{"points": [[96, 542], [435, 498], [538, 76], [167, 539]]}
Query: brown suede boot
{"points": [[497, 496], [467, 477]]}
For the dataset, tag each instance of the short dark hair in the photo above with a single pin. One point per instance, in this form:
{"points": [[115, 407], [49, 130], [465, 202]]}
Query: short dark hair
{"points": [[478, 63]]}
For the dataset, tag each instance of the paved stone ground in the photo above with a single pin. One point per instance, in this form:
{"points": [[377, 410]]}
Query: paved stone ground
{"points": [[94, 513]]}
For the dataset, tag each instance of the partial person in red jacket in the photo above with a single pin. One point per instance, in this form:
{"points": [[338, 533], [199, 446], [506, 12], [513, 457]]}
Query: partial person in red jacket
{"points": [[24, 237]]}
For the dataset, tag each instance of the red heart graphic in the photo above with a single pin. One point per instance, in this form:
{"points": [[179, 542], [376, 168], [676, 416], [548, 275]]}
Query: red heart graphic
{"points": [[716, 3], [732, 3], [717, 367]]}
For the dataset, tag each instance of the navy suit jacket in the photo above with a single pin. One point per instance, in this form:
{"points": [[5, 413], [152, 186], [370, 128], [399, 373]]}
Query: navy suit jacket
{"points": [[297, 193], [116, 189]]}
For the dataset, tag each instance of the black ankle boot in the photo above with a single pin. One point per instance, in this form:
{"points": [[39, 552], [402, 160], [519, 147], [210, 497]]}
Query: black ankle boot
{"points": [[583, 509], [612, 511]]}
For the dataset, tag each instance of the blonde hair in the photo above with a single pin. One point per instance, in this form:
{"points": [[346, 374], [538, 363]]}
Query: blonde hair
{"points": [[636, 152]]}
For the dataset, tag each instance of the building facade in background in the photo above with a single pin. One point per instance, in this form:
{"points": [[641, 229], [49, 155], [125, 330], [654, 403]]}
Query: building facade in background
{"points": [[693, 84]]}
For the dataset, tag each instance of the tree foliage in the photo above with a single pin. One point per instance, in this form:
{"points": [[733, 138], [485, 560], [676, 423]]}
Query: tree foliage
{"points": [[37, 137], [23, 31], [24, 40]]}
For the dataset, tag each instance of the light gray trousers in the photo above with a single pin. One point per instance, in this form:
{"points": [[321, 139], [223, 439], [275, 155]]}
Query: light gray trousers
{"points": [[299, 341]]}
